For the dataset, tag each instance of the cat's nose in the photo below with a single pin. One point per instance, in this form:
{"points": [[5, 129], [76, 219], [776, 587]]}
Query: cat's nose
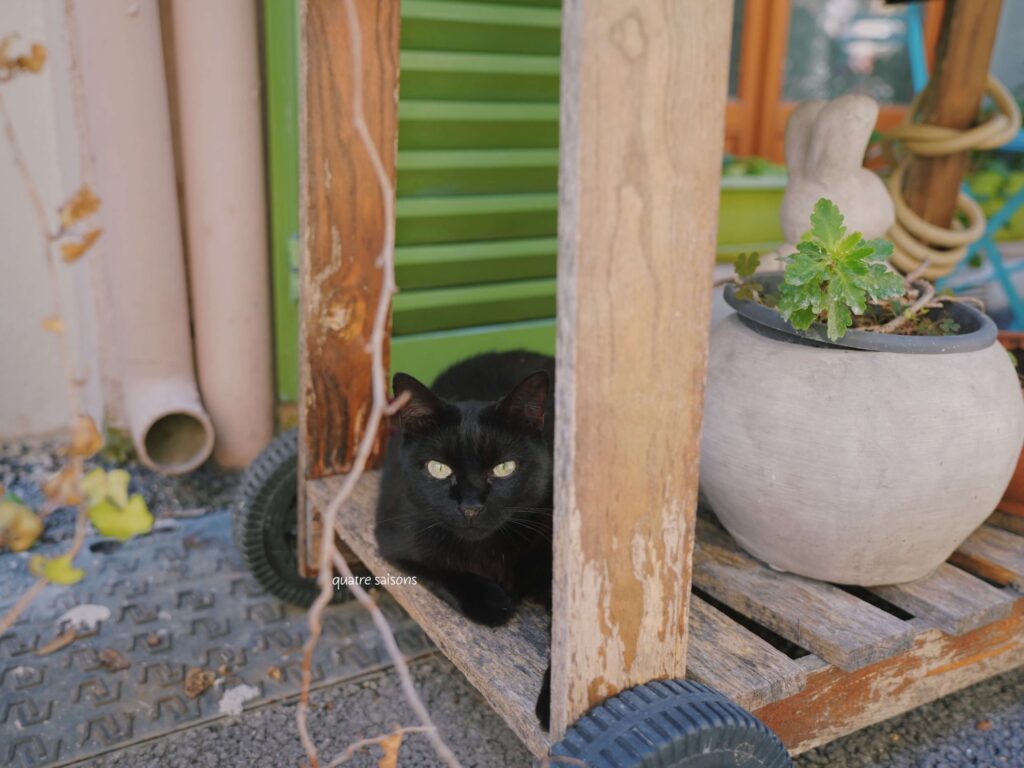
{"points": [[471, 510]]}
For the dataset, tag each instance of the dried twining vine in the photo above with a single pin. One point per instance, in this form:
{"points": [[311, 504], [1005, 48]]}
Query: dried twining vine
{"points": [[102, 497], [841, 280], [329, 557]]}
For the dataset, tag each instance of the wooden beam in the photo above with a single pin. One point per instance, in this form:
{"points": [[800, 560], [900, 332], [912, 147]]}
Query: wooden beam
{"points": [[342, 222], [643, 102], [952, 100], [835, 703]]}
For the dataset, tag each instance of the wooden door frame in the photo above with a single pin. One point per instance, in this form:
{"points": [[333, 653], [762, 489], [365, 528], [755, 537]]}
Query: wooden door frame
{"points": [[756, 120]]}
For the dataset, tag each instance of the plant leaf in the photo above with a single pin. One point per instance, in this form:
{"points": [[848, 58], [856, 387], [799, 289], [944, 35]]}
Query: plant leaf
{"points": [[121, 523], [827, 223], [836, 273], [390, 746], [100, 485], [839, 319], [56, 570], [747, 264], [73, 251], [53, 325], [82, 204], [65, 487], [34, 61], [19, 525], [86, 439]]}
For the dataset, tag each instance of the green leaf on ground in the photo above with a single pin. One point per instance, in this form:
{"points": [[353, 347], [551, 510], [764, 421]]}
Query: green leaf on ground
{"points": [[56, 570], [121, 522], [100, 484]]}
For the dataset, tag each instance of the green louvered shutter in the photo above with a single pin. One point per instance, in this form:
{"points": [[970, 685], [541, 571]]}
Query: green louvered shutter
{"points": [[477, 180]]}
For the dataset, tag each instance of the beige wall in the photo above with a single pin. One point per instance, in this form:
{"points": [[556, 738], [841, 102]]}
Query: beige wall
{"points": [[33, 392]]}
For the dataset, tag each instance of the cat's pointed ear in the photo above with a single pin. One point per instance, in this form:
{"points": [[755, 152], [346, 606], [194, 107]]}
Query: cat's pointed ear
{"points": [[422, 407], [524, 405]]}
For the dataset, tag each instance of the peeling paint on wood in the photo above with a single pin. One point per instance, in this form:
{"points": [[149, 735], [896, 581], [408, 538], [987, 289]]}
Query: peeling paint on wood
{"points": [[341, 231], [342, 223], [636, 250], [835, 703]]}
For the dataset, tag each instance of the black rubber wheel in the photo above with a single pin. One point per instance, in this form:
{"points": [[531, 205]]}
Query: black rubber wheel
{"points": [[265, 521], [671, 724]]}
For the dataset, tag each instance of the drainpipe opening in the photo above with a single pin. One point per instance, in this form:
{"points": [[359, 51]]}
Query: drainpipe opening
{"points": [[177, 442]]}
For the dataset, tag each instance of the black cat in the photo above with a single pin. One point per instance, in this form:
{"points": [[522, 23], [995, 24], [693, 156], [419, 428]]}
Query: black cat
{"points": [[465, 500]]}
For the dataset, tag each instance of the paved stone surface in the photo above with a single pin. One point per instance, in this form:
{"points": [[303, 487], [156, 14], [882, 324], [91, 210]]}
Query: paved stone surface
{"points": [[175, 600], [341, 714]]}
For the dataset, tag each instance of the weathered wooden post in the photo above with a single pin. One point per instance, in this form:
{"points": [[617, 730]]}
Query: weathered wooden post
{"points": [[343, 227], [643, 101]]}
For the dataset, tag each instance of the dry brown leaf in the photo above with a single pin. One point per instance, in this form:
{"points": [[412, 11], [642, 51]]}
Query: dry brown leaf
{"points": [[62, 640], [83, 203], [65, 486], [19, 525], [113, 661], [85, 437], [390, 744], [72, 252], [53, 325], [34, 61], [198, 681]]}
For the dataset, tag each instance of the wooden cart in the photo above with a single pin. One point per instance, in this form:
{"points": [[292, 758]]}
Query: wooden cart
{"points": [[644, 588]]}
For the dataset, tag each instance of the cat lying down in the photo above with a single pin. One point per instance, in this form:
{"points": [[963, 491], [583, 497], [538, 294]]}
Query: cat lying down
{"points": [[465, 502]]}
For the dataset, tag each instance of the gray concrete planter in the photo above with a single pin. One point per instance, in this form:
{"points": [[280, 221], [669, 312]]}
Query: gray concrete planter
{"points": [[852, 466]]}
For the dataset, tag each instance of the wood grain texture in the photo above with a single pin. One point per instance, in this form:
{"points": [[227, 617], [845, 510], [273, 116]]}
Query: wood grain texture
{"points": [[993, 554], [505, 664], [342, 222], [835, 703], [827, 621], [1008, 521], [643, 101], [954, 94], [730, 658], [952, 600]]}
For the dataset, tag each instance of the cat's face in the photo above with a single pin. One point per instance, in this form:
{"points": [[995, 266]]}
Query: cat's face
{"points": [[476, 470]]}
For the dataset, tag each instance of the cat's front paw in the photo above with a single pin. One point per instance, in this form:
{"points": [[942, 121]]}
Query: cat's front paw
{"points": [[491, 605], [484, 601]]}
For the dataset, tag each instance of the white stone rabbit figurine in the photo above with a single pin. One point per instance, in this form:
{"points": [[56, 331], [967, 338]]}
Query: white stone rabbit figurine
{"points": [[825, 144]]}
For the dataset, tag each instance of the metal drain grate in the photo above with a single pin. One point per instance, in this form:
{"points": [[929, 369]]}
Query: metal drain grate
{"points": [[175, 600]]}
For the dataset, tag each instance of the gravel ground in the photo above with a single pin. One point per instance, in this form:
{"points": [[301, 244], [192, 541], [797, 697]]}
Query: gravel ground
{"points": [[339, 716], [982, 726]]}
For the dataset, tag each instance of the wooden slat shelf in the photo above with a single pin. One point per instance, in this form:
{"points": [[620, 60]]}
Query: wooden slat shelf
{"points": [[962, 631], [954, 601], [993, 554], [825, 620]]}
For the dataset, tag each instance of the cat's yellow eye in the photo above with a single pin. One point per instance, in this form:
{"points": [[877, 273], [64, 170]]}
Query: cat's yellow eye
{"points": [[439, 470], [504, 469]]}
